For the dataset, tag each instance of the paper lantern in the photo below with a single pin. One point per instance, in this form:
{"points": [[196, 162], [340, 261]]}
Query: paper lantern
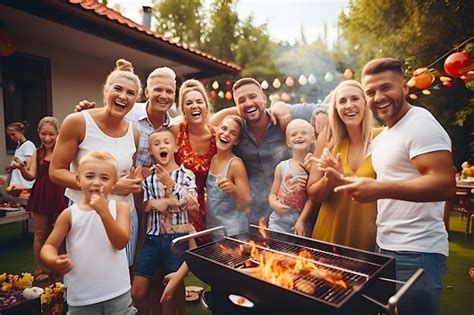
{"points": [[311, 79], [457, 64], [328, 77], [7, 44], [290, 82], [426, 92], [423, 78], [444, 79], [302, 80], [413, 96], [411, 82], [221, 94], [228, 96], [276, 84], [215, 85], [348, 74], [285, 97], [212, 94], [265, 84], [228, 84]]}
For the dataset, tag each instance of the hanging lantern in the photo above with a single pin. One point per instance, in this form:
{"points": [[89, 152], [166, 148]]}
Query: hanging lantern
{"points": [[215, 85], [426, 92], [212, 94], [457, 64], [290, 82], [276, 84], [7, 44], [423, 78], [328, 77], [413, 96], [311, 79], [228, 96], [264, 84], [348, 74], [444, 79], [274, 97], [221, 94], [228, 84], [285, 97], [302, 80]]}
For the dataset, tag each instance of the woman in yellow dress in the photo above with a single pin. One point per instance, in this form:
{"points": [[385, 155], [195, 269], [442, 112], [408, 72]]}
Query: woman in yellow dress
{"points": [[342, 220]]}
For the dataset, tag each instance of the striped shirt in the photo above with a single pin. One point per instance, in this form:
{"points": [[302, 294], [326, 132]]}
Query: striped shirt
{"points": [[139, 117], [174, 220]]}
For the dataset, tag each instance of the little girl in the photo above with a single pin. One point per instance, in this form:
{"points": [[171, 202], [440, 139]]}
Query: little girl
{"points": [[46, 198], [228, 193], [23, 153]]}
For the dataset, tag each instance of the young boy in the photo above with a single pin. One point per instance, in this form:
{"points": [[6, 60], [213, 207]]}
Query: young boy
{"points": [[288, 197], [169, 193], [96, 232]]}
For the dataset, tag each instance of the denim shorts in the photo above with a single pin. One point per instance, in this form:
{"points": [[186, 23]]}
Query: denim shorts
{"points": [[156, 254], [120, 305], [424, 296]]}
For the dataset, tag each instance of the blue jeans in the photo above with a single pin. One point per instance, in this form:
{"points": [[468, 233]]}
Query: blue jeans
{"points": [[424, 296], [156, 253]]}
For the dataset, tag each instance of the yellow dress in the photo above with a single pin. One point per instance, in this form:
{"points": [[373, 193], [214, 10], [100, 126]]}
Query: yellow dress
{"points": [[346, 222]]}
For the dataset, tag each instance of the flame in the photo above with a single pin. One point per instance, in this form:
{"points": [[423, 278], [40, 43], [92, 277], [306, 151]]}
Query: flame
{"points": [[285, 271], [262, 226]]}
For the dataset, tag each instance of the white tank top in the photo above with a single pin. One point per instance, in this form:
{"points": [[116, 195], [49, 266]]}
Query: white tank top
{"points": [[121, 148], [99, 272]]}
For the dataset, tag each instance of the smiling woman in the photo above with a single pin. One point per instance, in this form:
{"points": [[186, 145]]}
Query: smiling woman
{"points": [[103, 129]]}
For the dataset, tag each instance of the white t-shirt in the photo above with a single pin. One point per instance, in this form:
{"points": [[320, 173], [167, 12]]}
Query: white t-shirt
{"points": [[404, 225], [23, 152]]}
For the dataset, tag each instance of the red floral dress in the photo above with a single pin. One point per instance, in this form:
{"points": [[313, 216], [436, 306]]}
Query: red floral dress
{"points": [[199, 165]]}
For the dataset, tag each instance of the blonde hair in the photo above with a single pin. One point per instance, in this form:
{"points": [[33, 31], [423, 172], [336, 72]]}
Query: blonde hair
{"points": [[299, 121], [123, 69], [338, 128], [99, 157], [53, 121], [162, 72], [192, 85]]}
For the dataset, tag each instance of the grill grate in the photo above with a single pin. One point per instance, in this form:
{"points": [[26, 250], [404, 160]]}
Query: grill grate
{"points": [[354, 272]]}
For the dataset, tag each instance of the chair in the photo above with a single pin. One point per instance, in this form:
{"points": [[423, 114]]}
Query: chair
{"points": [[464, 204]]}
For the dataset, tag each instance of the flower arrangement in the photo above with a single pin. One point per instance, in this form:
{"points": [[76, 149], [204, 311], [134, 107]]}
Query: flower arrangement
{"points": [[52, 301]]}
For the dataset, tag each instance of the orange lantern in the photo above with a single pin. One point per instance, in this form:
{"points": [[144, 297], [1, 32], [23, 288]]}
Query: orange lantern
{"points": [[423, 78], [7, 44], [228, 95]]}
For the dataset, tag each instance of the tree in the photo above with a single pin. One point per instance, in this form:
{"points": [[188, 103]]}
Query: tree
{"points": [[181, 20], [407, 30]]}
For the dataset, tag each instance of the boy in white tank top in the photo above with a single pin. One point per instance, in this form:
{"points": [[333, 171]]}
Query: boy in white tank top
{"points": [[96, 229]]}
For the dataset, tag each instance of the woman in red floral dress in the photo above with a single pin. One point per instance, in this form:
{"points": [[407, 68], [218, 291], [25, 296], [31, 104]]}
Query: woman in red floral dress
{"points": [[196, 143]]}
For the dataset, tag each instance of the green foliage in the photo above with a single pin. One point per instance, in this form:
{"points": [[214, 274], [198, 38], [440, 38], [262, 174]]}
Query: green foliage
{"points": [[181, 20], [418, 32]]}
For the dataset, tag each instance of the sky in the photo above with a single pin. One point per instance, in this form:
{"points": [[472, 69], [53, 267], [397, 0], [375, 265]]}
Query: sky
{"points": [[286, 19]]}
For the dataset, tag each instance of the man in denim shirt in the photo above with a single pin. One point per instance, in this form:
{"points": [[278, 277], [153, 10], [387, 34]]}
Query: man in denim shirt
{"points": [[262, 145]]}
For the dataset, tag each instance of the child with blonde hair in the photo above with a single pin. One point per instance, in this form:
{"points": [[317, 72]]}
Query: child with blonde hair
{"points": [[95, 228]]}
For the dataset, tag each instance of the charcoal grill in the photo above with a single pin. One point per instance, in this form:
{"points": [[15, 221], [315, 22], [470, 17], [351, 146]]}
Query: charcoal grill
{"points": [[368, 276]]}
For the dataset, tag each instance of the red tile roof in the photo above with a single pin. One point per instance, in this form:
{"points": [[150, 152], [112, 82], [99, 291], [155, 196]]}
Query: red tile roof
{"points": [[106, 12]]}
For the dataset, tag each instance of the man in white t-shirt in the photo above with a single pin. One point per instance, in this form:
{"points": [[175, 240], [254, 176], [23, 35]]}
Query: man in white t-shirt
{"points": [[413, 161]]}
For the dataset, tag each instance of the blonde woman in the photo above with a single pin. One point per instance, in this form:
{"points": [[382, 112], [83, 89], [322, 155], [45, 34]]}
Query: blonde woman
{"points": [[341, 220], [103, 129]]}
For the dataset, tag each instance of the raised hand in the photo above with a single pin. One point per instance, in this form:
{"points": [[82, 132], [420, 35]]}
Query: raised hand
{"points": [[99, 202], [225, 184], [163, 176], [361, 189]]}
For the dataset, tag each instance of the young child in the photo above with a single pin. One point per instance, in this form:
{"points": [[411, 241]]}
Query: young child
{"points": [[288, 196], [96, 232], [169, 193], [23, 153], [47, 199], [228, 193]]}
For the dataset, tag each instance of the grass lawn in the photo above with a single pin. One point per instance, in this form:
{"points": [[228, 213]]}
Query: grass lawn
{"points": [[457, 297]]}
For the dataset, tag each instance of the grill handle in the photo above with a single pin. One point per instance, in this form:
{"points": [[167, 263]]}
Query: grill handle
{"points": [[197, 234], [392, 306]]}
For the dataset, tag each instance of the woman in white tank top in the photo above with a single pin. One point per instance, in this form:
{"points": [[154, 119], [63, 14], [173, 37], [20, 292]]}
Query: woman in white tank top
{"points": [[103, 129]]}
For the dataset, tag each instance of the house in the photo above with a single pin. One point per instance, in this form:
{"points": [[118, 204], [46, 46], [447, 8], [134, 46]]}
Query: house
{"points": [[64, 50]]}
